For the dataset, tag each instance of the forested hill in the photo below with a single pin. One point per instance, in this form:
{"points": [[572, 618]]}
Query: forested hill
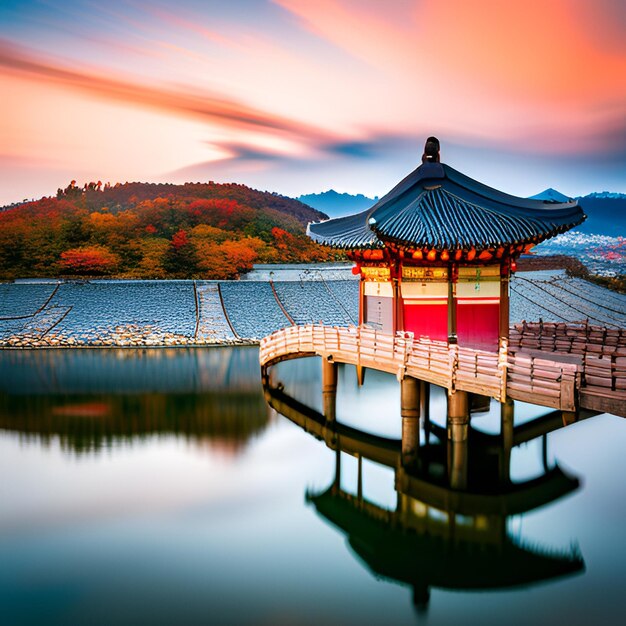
{"points": [[338, 204], [145, 230]]}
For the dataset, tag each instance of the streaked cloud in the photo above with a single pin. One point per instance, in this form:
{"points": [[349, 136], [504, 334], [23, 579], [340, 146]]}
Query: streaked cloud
{"points": [[178, 101]]}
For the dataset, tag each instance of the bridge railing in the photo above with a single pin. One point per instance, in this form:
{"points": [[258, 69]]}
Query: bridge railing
{"points": [[535, 378], [402, 354]]}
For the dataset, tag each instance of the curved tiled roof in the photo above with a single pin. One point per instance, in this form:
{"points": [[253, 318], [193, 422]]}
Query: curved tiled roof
{"points": [[437, 207]]}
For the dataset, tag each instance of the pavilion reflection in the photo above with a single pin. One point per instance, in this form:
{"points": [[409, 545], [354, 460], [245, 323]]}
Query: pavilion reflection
{"points": [[440, 534]]}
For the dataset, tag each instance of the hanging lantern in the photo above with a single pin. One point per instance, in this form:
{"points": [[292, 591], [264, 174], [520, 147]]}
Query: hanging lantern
{"points": [[499, 252], [356, 269], [513, 266], [445, 255], [471, 254], [432, 255], [485, 255], [458, 254], [418, 255], [376, 255]]}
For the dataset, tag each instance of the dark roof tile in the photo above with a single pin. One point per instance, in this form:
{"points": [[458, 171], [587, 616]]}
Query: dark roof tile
{"points": [[436, 206]]}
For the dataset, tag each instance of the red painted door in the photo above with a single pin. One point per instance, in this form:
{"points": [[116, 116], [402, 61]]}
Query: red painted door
{"points": [[477, 324], [428, 320]]}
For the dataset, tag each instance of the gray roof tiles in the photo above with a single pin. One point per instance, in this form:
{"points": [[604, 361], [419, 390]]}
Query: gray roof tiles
{"points": [[437, 207]]}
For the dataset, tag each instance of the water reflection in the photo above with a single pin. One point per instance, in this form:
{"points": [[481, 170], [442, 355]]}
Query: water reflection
{"points": [[438, 535], [95, 399], [162, 527]]}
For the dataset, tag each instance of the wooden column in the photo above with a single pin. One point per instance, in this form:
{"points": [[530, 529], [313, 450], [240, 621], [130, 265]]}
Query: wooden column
{"points": [[452, 337], [329, 389], [410, 411], [504, 303], [458, 426], [399, 307], [452, 277], [399, 300], [360, 370], [394, 298], [506, 434], [361, 300]]}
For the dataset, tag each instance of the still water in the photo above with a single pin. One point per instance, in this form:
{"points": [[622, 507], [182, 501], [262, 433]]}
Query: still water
{"points": [[157, 486]]}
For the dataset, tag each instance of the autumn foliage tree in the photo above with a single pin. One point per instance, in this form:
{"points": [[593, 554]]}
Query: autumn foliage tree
{"points": [[140, 230], [89, 260]]}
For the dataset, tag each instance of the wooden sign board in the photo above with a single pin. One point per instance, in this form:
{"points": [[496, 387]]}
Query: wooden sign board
{"points": [[376, 274], [480, 273], [424, 274]]}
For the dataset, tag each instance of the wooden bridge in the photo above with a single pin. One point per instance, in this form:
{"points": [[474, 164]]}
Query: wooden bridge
{"points": [[569, 367]]}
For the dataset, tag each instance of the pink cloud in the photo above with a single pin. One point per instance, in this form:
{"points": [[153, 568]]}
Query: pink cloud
{"points": [[513, 73], [181, 101]]}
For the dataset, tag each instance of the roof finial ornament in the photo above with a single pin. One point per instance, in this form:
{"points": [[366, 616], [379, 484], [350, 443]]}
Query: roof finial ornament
{"points": [[431, 151]]}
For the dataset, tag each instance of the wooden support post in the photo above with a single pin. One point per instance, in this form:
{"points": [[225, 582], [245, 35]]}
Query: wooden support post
{"points": [[329, 389], [361, 300], [504, 304], [399, 304], [410, 411], [359, 491], [458, 407], [452, 336], [458, 426], [506, 433], [395, 304]]}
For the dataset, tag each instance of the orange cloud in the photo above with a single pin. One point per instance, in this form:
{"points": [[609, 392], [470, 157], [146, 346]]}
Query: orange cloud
{"points": [[225, 112], [508, 71]]}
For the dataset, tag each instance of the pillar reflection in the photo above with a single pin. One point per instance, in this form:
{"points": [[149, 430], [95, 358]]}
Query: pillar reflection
{"points": [[449, 527]]}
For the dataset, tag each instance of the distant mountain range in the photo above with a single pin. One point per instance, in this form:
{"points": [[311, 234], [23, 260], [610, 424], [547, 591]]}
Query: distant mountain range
{"points": [[606, 214], [613, 195], [605, 210], [337, 204]]}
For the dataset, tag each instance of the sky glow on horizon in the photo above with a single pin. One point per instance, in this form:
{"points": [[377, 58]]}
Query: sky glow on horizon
{"points": [[299, 97]]}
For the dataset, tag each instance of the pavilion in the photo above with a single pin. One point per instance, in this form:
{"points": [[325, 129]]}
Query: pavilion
{"points": [[436, 253]]}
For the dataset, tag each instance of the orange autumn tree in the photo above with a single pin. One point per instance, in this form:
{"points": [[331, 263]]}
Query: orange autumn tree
{"points": [[242, 253], [90, 260], [149, 230], [228, 259]]}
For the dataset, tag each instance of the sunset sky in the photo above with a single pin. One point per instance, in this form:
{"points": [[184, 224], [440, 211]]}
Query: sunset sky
{"points": [[298, 96]]}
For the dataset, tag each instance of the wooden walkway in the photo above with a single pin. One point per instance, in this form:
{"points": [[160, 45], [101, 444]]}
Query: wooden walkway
{"points": [[533, 367]]}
